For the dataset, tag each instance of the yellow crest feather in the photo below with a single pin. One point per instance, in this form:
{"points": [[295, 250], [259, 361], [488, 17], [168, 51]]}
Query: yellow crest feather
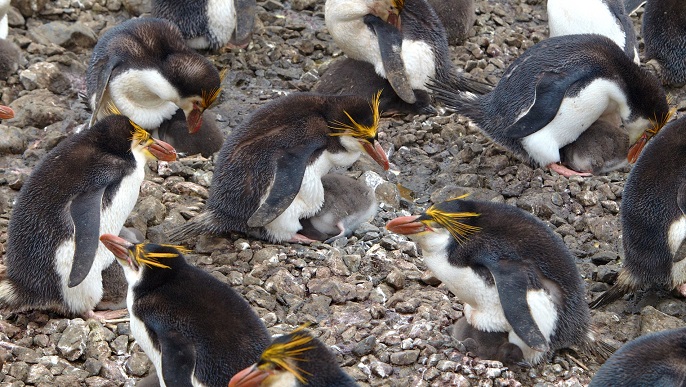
{"points": [[283, 354], [358, 130], [209, 97], [451, 221], [152, 259]]}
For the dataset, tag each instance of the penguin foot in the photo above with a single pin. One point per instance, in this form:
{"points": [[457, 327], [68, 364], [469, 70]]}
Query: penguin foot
{"points": [[302, 239], [682, 289], [105, 315], [566, 172]]}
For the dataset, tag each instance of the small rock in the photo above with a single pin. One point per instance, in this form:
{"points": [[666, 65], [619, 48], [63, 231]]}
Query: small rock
{"points": [[72, 344], [405, 357], [652, 320], [63, 34]]}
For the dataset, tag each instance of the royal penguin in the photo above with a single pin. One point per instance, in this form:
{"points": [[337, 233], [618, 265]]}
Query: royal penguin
{"points": [[207, 141], [294, 360], [347, 203], [86, 186], [511, 271], [346, 76], [196, 330], [145, 69], [555, 91], [268, 173], [403, 39], [653, 217], [210, 24], [601, 148], [457, 17], [603, 17], [664, 35], [656, 359]]}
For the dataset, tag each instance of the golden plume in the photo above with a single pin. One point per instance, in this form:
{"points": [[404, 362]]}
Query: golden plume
{"points": [[152, 259], [356, 130], [451, 221], [285, 354]]}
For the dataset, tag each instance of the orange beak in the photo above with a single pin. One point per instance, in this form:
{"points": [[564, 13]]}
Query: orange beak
{"points": [[377, 153], [6, 112], [162, 151], [249, 377], [635, 150], [194, 119], [406, 225]]}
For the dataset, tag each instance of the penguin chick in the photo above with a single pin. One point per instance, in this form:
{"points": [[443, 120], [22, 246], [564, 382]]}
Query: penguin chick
{"points": [[512, 272], [347, 203], [294, 360], [555, 91], [86, 185], [457, 16], [10, 57], [664, 35], [347, 76], [207, 141], [656, 359], [268, 172], [196, 330], [602, 17], [404, 40], [653, 216], [602, 148], [144, 67], [210, 23], [487, 345]]}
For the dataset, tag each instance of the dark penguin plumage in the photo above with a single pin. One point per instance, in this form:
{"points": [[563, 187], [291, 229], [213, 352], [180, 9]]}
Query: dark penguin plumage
{"points": [[513, 273], [86, 185], [297, 359], [210, 23], [664, 35], [206, 141], [601, 148], [347, 76], [347, 203], [457, 16], [195, 329], [555, 91], [654, 360], [487, 345], [144, 67], [114, 285], [268, 172], [653, 216], [404, 40], [603, 17]]}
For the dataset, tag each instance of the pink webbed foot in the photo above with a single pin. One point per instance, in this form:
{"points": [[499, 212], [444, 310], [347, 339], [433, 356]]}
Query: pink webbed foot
{"points": [[105, 316], [566, 172], [302, 239], [682, 289]]}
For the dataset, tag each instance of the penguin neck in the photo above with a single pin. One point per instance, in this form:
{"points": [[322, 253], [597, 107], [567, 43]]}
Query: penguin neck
{"points": [[145, 96]]}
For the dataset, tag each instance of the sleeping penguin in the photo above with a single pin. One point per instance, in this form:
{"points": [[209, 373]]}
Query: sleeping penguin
{"points": [[268, 172], [403, 39], [210, 24], [653, 216], [87, 185], [555, 91], [511, 271], [294, 360], [196, 330], [144, 68]]}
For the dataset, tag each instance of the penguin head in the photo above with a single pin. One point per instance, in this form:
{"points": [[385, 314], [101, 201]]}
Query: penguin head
{"points": [[440, 225], [198, 83], [295, 359], [112, 131], [358, 129], [387, 10], [656, 124], [151, 148]]}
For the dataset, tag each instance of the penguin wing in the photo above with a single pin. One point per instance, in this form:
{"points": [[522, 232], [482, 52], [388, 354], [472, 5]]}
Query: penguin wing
{"points": [[390, 42], [551, 89], [288, 176], [85, 213], [512, 282], [103, 80], [178, 358]]}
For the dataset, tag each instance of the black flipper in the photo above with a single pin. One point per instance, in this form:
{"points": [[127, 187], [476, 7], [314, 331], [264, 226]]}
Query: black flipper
{"points": [[245, 21], [390, 43], [103, 81], [681, 198], [85, 213], [550, 91], [630, 6], [512, 282], [288, 176], [178, 358]]}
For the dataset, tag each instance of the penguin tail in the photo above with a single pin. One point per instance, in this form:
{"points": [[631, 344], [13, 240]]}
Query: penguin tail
{"points": [[453, 93], [199, 225], [599, 348], [625, 284]]}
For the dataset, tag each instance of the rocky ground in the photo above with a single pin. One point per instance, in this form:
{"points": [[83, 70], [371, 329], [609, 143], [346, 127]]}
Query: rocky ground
{"points": [[387, 319]]}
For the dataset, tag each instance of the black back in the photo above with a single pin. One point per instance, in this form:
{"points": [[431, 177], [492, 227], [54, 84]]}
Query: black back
{"points": [[420, 22], [664, 34], [189, 16]]}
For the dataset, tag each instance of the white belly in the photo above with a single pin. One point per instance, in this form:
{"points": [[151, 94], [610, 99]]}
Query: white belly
{"points": [[420, 66], [584, 17], [675, 237]]}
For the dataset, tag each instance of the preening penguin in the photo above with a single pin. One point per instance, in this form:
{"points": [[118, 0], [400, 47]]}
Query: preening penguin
{"points": [[664, 35], [144, 67], [511, 271], [85, 186], [602, 17], [555, 91], [210, 23], [268, 172], [656, 359], [294, 360], [653, 216], [601, 148], [403, 39], [206, 141], [347, 203], [196, 330]]}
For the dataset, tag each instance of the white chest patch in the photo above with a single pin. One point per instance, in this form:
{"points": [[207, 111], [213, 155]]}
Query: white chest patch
{"points": [[419, 61], [138, 329], [83, 297], [675, 237], [311, 195], [575, 114], [221, 19], [344, 22]]}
